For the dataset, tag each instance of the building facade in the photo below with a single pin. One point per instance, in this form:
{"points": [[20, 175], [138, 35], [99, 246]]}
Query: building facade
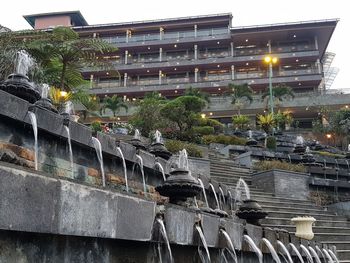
{"points": [[208, 53]]}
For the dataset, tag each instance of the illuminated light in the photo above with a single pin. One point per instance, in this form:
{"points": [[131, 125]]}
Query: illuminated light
{"points": [[294, 36], [175, 68], [346, 106], [218, 66], [328, 135], [267, 59], [297, 60], [218, 42], [129, 55], [147, 70], [299, 84], [246, 40], [63, 93], [105, 95], [274, 60], [210, 113], [149, 48], [247, 64], [118, 119], [160, 94], [219, 88], [133, 99], [175, 91], [127, 99], [175, 45], [107, 73], [307, 108], [203, 115]]}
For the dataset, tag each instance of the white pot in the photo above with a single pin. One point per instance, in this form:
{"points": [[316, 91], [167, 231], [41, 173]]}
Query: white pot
{"points": [[304, 227]]}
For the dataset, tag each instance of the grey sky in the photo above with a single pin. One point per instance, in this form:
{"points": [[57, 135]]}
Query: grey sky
{"points": [[251, 12]]}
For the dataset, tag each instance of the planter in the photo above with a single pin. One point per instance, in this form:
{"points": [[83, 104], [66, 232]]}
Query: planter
{"points": [[304, 227]]}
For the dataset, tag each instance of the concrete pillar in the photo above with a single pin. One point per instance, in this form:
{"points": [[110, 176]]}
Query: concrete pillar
{"points": [[195, 52], [316, 43], [195, 30], [232, 72], [269, 46], [125, 79], [161, 33], [232, 49], [91, 81], [196, 75], [127, 35], [126, 57], [160, 54], [94, 35], [160, 78], [318, 66]]}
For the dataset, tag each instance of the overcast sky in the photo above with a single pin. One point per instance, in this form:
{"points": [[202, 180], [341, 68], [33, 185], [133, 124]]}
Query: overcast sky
{"points": [[245, 12]]}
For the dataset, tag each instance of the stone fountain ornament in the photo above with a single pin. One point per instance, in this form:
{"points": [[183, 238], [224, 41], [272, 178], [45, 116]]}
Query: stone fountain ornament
{"points": [[45, 102], [304, 226], [18, 83], [180, 184], [136, 141], [299, 147], [158, 149]]}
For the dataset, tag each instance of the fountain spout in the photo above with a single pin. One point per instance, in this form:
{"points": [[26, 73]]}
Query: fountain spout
{"points": [[229, 246], [33, 120], [157, 148], [98, 148], [205, 258], [119, 150]]}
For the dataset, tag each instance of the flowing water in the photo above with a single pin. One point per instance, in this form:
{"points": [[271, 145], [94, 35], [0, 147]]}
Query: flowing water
{"points": [[347, 163], [204, 193], [320, 252], [165, 238], [230, 198], [290, 159], [98, 149], [139, 162], [285, 251], [272, 250], [204, 243], [183, 160], [70, 149], [23, 62], [331, 253], [215, 195], [124, 167], [242, 187], [307, 254], [137, 135], [161, 169], [329, 258], [33, 120], [254, 247], [222, 195], [296, 251], [230, 246], [299, 140], [45, 89], [314, 254], [158, 136]]}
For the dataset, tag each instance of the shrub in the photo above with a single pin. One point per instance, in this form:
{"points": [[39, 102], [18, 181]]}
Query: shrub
{"points": [[334, 155], [240, 121], [175, 146], [224, 139], [203, 130], [270, 165], [96, 126], [218, 126], [271, 143]]}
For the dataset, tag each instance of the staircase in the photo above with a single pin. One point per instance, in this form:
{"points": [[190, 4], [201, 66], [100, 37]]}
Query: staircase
{"points": [[329, 228]]}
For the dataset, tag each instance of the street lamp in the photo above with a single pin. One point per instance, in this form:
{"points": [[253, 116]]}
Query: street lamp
{"points": [[270, 61]]}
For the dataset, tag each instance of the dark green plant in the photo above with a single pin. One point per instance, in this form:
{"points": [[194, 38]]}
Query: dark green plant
{"points": [[240, 121], [275, 164], [241, 94], [175, 146], [96, 126], [224, 139], [279, 94], [114, 104], [203, 130], [197, 93], [271, 143]]}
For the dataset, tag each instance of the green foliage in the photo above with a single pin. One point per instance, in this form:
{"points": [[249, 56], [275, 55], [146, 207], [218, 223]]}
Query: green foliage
{"points": [[184, 111], [224, 139], [175, 146], [218, 126], [240, 121], [197, 93], [270, 165], [96, 126], [334, 155], [279, 94], [266, 122], [114, 104], [271, 143], [203, 130], [241, 94], [282, 119], [91, 106], [147, 117]]}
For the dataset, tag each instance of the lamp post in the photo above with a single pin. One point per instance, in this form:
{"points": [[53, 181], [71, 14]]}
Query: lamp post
{"points": [[270, 61]]}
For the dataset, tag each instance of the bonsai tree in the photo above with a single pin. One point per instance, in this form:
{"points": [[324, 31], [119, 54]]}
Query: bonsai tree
{"points": [[240, 121], [114, 104], [279, 94], [241, 94]]}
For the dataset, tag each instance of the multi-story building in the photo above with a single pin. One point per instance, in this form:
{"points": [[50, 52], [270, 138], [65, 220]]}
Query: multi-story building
{"points": [[208, 53]]}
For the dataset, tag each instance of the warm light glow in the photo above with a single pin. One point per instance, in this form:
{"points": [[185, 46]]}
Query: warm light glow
{"points": [[175, 45], [63, 93], [328, 135], [210, 113], [274, 60], [267, 59], [203, 115], [346, 106]]}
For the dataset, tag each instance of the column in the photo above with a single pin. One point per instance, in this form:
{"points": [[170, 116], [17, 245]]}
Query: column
{"points": [[91, 81], [127, 35], [316, 43], [195, 52], [196, 75], [160, 54], [126, 57], [269, 46], [94, 35], [318, 66], [232, 72], [125, 78], [195, 30], [232, 49], [160, 78], [161, 33]]}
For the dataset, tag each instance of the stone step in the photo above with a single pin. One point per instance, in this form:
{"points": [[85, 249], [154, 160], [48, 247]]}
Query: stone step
{"points": [[341, 245], [229, 170], [328, 237], [344, 254], [229, 179], [296, 209], [280, 221], [290, 215], [316, 229], [268, 197], [264, 202]]}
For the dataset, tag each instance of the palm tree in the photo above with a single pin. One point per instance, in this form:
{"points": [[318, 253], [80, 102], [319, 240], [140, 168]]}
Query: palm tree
{"points": [[197, 93], [91, 105], [62, 55], [240, 94], [279, 94], [114, 104]]}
